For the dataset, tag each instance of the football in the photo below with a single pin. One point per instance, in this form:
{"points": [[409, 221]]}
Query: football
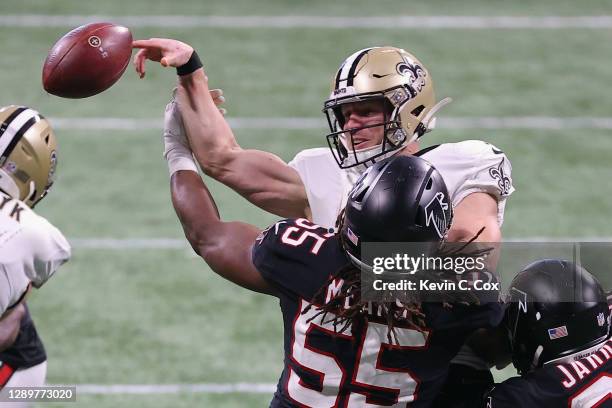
{"points": [[87, 60]]}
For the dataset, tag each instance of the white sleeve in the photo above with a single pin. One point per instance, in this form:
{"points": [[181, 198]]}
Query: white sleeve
{"points": [[322, 179], [474, 166], [491, 171], [295, 162], [301, 164], [51, 250]]}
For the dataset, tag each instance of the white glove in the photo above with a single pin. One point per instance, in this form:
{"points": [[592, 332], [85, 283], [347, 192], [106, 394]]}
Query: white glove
{"points": [[176, 146]]}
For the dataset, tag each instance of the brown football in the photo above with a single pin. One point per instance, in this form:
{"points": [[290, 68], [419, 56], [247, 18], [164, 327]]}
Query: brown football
{"points": [[87, 60]]}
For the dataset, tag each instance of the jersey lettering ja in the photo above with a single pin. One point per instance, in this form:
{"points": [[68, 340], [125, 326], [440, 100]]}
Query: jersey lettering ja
{"points": [[583, 383]]}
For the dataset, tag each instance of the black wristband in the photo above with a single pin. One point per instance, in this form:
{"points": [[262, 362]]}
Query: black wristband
{"points": [[191, 65]]}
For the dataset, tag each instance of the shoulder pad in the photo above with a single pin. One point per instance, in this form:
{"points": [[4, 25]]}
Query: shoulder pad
{"points": [[473, 166], [49, 250]]}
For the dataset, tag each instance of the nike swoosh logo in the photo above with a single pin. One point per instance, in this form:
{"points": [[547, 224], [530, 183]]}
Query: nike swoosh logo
{"points": [[380, 76], [496, 151]]}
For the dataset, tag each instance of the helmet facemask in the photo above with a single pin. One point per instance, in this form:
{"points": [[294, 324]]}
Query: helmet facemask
{"points": [[341, 140]]}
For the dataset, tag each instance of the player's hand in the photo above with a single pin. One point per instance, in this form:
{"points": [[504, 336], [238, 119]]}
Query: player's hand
{"points": [[177, 151], [168, 52], [175, 137], [174, 132], [218, 99]]}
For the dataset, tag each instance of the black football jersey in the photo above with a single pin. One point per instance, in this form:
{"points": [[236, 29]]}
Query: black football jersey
{"points": [[584, 383], [326, 367], [28, 350]]}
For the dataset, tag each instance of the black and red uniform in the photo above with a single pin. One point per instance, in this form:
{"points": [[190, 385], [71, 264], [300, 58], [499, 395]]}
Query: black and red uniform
{"points": [[27, 350], [586, 383], [358, 366]]}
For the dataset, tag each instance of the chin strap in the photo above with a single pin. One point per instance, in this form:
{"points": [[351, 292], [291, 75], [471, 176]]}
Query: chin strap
{"points": [[429, 121]]}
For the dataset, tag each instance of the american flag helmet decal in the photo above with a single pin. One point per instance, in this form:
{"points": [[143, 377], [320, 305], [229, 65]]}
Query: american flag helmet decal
{"points": [[557, 332]]}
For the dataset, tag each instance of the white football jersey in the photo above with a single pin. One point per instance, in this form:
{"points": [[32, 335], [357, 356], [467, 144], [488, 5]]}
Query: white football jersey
{"points": [[31, 250], [467, 167]]}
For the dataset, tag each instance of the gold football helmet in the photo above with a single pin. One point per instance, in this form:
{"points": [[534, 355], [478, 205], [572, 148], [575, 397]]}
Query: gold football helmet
{"points": [[28, 154], [400, 82]]}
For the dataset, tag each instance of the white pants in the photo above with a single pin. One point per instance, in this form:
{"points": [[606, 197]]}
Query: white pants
{"points": [[27, 377]]}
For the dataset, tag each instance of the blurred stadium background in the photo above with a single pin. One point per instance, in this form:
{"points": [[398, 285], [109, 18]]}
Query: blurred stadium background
{"points": [[135, 306]]}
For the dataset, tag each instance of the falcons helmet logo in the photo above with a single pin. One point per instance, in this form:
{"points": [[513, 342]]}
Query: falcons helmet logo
{"points": [[435, 213]]}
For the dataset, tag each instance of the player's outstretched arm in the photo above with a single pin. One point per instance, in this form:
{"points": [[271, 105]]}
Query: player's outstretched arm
{"points": [[225, 246], [261, 177], [9, 325]]}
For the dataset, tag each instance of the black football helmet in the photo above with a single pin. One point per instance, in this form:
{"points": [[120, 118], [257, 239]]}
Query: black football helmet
{"points": [[555, 309], [401, 199]]}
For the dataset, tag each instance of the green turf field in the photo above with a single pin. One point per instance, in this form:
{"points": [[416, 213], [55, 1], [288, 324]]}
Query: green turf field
{"points": [[159, 316]]}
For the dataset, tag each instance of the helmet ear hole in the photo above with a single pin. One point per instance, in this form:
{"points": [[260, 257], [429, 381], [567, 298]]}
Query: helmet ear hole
{"points": [[387, 107], [361, 195], [429, 184], [417, 111], [47, 139]]}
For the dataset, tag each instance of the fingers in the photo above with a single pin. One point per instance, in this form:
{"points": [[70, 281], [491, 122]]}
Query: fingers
{"points": [[216, 93], [152, 42], [139, 62], [217, 96], [169, 53], [218, 99]]}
